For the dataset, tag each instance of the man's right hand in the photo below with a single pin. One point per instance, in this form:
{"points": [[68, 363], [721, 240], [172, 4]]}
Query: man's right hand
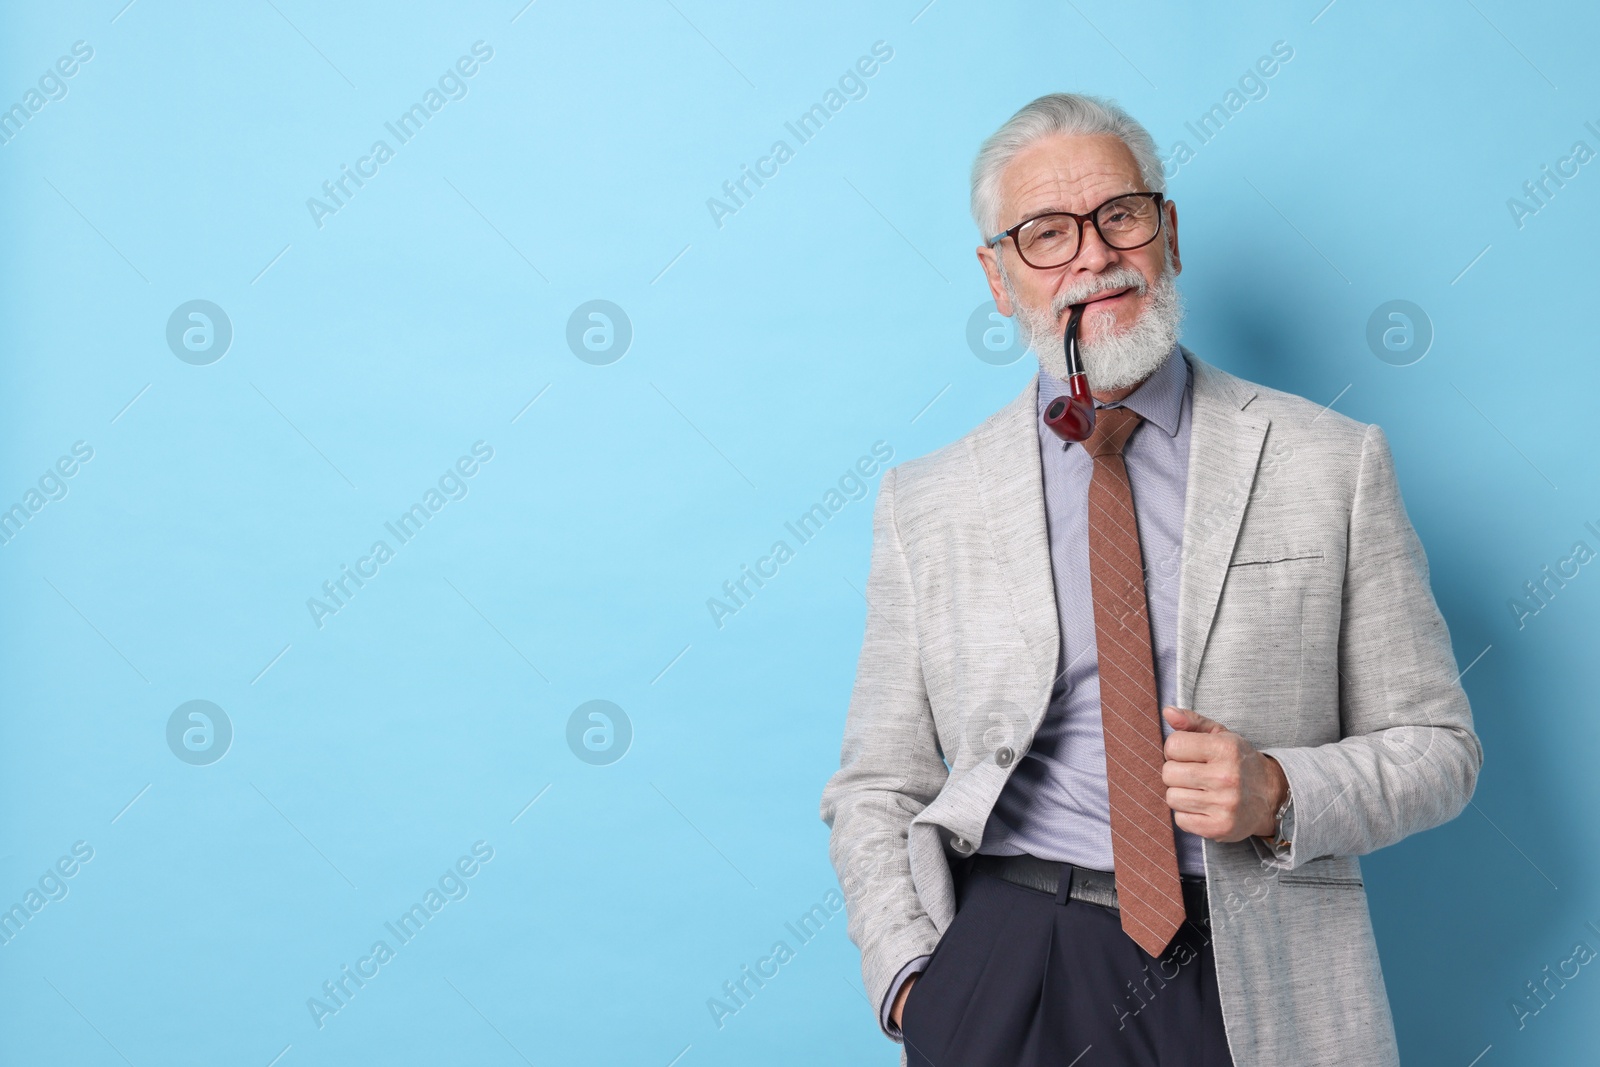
{"points": [[900, 999]]}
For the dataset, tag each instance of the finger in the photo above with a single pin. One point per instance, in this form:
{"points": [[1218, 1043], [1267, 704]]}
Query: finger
{"points": [[1191, 801], [1199, 825], [1191, 720], [1186, 775], [1191, 748]]}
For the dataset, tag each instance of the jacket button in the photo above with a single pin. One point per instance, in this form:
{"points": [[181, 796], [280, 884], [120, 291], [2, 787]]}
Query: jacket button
{"points": [[961, 845], [1003, 756]]}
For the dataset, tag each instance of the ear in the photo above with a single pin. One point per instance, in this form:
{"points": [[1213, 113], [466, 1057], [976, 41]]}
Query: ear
{"points": [[1172, 236], [989, 259]]}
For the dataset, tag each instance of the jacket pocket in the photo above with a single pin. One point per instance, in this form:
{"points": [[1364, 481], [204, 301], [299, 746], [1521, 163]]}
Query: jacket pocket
{"points": [[1326, 872], [1338, 883], [1274, 558]]}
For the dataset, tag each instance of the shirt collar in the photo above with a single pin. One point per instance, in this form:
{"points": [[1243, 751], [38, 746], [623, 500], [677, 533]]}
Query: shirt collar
{"points": [[1159, 398]]}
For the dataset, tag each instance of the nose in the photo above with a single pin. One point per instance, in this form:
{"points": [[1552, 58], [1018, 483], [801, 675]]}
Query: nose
{"points": [[1095, 255]]}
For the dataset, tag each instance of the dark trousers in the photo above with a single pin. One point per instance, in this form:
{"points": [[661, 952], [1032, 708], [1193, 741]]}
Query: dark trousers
{"points": [[1019, 980]]}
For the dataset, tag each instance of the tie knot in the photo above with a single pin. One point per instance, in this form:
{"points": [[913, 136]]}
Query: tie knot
{"points": [[1112, 428]]}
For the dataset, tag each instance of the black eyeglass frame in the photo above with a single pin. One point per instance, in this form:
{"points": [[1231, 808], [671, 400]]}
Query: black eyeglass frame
{"points": [[1093, 217]]}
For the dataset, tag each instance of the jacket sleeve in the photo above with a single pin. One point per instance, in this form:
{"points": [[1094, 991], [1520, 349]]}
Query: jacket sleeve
{"points": [[1407, 758], [890, 768]]}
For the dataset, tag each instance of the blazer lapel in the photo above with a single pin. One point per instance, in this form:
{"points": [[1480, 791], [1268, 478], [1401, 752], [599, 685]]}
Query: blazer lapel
{"points": [[1224, 450], [1225, 442], [1010, 481]]}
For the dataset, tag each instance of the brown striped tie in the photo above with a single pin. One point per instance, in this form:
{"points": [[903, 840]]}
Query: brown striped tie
{"points": [[1146, 860]]}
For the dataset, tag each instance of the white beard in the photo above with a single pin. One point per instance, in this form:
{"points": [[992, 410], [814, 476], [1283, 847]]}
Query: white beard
{"points": [[1114, 360]]}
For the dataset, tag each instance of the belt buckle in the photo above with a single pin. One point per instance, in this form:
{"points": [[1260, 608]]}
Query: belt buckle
{"points": [[1096, 887]]}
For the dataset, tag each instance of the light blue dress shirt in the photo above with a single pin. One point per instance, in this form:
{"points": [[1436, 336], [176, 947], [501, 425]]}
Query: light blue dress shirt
{"points": [[1055, 805]]}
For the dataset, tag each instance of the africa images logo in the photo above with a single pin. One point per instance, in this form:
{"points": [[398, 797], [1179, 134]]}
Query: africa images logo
{"points": [[452, 85]]}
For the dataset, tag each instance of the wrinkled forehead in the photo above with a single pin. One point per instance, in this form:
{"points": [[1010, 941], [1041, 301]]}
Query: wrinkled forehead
{"points": [[1066, 173]]}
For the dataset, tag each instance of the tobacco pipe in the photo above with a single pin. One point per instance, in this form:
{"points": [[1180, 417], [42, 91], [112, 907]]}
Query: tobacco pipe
{"points": [[1072, 416]]}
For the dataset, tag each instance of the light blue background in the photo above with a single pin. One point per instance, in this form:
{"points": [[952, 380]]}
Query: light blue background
{"points": [[768, 355]]}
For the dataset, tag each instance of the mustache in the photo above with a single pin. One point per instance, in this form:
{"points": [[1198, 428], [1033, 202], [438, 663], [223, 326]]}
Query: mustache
{"points": [[1121, 278]]}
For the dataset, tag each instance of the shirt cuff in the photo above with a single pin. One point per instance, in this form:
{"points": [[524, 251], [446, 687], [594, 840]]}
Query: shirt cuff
{"points": [[916, 966]]}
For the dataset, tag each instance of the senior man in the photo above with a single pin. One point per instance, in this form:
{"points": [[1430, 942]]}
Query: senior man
{"points": [[1128, 709]]}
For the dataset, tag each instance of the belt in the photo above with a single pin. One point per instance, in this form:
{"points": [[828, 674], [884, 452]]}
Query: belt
{"points": [[1082, 883]]}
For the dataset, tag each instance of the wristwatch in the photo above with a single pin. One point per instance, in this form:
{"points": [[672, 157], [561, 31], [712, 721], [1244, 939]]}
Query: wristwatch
{"points": [[1277, 840]]}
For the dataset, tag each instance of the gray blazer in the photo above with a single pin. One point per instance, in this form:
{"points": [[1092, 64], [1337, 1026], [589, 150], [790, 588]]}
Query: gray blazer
{"points": [[1305, 623]]}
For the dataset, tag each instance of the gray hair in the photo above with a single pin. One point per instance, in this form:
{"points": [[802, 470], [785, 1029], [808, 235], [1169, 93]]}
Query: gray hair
{"points": [[1057, 113]]}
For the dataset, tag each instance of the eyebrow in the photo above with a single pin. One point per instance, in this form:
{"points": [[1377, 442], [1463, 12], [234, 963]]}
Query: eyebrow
{"points": [[1055, 210], [1041, 213]]}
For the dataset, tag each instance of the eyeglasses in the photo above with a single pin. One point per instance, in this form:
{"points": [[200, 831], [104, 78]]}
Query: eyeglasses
{"points": [[1124, 222]]}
